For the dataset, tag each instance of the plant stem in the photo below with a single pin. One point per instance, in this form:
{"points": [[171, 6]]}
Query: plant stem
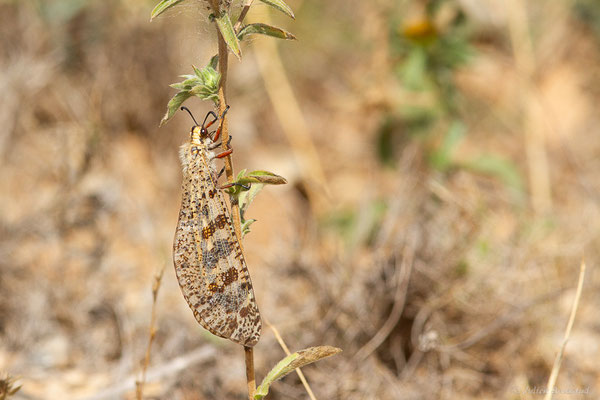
{"points": [[287, 352], [251, 382], [152, 333], [235, 208], [245, 8]]}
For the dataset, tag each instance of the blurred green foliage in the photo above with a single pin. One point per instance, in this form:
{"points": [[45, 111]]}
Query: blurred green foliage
{"points": [[588, 11], [57, 12], [356, 226], [427, 51], [425, 54]]}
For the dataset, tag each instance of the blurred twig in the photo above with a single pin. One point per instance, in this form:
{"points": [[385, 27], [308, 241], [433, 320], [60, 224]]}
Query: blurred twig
{"points": [[403, 277], [287, 352], [8, 386], [140, 384], [292, 121], [535, 141], [500, 322], [559, 356], [170, 368]]}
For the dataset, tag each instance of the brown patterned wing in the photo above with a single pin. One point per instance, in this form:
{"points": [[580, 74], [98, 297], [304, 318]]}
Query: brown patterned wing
{"points": [[209, 264]]}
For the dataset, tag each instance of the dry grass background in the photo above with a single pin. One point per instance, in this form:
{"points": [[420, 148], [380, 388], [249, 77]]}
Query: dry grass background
{"points": [[437, 284]]}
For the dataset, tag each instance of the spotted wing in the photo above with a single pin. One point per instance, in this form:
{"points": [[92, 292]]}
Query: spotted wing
{"points": [[209, 264]]}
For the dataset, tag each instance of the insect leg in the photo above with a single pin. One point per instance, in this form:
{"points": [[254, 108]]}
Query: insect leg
{"points": [[226, 152], [211, 122], [215, 145], [218, 132]]}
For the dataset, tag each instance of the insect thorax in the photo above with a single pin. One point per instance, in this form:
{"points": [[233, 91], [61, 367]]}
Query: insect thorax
{"points": [[196, 155]]}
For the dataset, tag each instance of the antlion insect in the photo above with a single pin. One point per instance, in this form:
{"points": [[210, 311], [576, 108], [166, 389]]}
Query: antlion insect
{"points": [[209, 263]]}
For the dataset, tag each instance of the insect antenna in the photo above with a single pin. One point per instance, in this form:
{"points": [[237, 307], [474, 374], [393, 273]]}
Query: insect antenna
{"points": [[189, 112]]}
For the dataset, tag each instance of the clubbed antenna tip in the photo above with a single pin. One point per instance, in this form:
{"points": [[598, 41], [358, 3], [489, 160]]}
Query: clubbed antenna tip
{"points": [[189, 112]]}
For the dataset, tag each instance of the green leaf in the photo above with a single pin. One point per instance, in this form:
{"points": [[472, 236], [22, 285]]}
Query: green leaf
{"points": [[281, 6], [247, 196], [246, 226], [499, 167], [197, 71], [210, 78], [162, 7], [174, 104], [264, 29], [441, 158], [204, 83], [241, 174], [258, 179], [214, 61], [264, 177], [414, 70], [290, 363], [189, 82], [204, 93], [226, 29], [181, 86]]}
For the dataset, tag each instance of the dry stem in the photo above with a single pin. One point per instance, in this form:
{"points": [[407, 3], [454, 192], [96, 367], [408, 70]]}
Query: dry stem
{"points": [[245, 8], [533, 127], [403, 278], [292, 121], [235, 208], [140, 384], [287, 352], [250, 380], [559, 356]]}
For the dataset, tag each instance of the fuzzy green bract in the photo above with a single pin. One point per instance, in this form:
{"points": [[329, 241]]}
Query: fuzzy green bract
{"points": [[203, 83]]}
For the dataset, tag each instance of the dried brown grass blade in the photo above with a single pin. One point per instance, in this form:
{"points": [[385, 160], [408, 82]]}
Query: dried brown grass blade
{"points": [[559, 356]]}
